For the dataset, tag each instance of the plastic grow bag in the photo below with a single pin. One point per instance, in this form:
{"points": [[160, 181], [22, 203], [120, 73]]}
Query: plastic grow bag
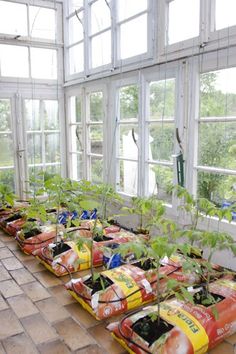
{"points": [[128, 287], [42, 236], [66, 257], [188, 328]]}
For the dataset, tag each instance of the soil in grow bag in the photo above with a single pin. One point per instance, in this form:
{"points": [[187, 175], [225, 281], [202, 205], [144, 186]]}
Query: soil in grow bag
{"points": [[145, 265], [12, 218], [31, 233], [201, 298], [60, 248], [149, 329], [99, 238], [100, 283]]}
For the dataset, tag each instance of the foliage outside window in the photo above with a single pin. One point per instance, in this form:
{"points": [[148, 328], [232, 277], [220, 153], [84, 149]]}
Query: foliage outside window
{"points": [[95, 136], [161, 135], [6, 144], [217, 136], [76, 138], [127, 149], [42, 135]]}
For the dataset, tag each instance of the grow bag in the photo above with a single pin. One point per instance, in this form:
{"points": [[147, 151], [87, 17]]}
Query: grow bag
{"points": [[41, 236], [66, 257], [184, 328], [128, 287]]}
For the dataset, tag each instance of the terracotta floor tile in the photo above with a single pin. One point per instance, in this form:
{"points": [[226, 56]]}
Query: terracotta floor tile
{"points": [[22, 256], [62, 295], [232, 340], [22, 276], [81, 315], [11, 325], [57, 347], [91, 349], [1, 244], [47, 279], [3, 304], [12, 263], [52, 310], [22, 306], [2, 351], [73, 334], [11, 244], [5, 253], [19, 344], [35, 291], [103, 337], [4, 275], [6, 238], [223, 348], [38, 329], [10, 288], [33, 266]]}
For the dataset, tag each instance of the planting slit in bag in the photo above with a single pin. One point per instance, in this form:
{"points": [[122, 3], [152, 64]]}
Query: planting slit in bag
{"points": [[184, 328], [67, 257], [125, 287]]}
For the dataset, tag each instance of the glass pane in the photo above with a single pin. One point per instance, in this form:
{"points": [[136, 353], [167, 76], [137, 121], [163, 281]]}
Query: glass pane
{"points": [[53, 170], [13, 18], [161, 141], [128, 178], [218, 94], [128, 141], [34, 172], [101, 49], [76, 58], [96, 170], [52, 147], [216, 187], [217, 145], [32, 115], [183, 20], [76, 138], [75, 4], [51, 119], [96, 139], [14, 61], [162, 99], [43, 63], [77, 166], [128, 8], [133, 37], [42, 22], [129, 102], [96, 107], [76, 30], [6, 148], [5, 115], [75, 109], [225, 13], [7, 177], [160, 181], [34, 148], [100, 16]]}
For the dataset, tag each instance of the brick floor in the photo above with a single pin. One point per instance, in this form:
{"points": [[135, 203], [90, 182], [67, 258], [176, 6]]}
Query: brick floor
{"points": [[37, 314]]}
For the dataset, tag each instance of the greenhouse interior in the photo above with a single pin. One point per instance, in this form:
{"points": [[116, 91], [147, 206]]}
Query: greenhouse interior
{"points": [[117, 176]]}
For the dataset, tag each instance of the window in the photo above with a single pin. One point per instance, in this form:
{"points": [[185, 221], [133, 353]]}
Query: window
{"points": [[127, 147], [42, 136], [13, 20], [76, 138], [76, 40], [183, 20], [225, 13], [95, 118], [217, 136], [133, 26], [100, 33], [6, 144], [161, 134], [43, 63]]}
